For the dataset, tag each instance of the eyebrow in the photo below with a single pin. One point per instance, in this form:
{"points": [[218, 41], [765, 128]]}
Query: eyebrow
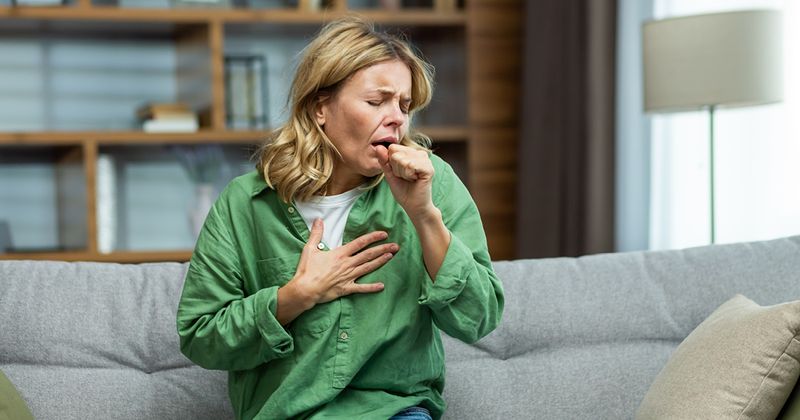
{"points": [[387, 91]]}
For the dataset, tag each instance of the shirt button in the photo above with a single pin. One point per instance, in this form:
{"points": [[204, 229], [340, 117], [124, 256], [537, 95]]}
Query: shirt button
{"points": [[290, 209], [320, 246], [343, 335]]}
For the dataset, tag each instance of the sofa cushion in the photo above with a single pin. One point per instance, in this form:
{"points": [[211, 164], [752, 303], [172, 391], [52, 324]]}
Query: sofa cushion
{"points": [[592, 381], [741, 362]]}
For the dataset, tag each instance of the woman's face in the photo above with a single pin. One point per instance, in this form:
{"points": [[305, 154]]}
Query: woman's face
{"points": [[369, 110]]}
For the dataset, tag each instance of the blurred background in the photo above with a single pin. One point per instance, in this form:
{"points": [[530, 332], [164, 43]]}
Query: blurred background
{"points": [[121, 120]]}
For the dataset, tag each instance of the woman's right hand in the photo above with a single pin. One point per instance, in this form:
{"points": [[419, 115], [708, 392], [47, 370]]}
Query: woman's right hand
{"points": [[323, 276]]}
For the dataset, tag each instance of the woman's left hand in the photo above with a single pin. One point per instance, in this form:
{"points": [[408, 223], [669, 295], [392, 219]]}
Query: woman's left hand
{"points": [[409, 173]]}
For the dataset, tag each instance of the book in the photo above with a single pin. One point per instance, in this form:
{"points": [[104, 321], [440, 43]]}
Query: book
{"points": [[106, 205], [5, 237], [71, 204], [154, 110], [167, 117], [170, 125]]}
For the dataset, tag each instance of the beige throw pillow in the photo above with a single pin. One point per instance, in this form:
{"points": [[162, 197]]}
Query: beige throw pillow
{"points": [[740, 363]]}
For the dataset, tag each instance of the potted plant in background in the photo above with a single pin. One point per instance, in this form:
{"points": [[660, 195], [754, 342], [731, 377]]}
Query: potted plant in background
{"points": [[205, 165]]}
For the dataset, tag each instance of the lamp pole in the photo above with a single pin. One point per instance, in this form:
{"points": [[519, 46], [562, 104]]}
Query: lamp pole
{"points": [[711, 171]]}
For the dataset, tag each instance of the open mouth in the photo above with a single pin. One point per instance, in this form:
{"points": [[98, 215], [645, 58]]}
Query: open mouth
{"points": [[385, 142]]}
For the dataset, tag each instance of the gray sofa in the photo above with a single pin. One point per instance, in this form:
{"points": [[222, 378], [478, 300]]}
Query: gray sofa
{"points": [[580, 338]]}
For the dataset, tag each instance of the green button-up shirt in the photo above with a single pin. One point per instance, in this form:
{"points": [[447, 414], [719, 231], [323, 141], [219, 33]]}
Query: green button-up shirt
{"points": [[359, 356]]}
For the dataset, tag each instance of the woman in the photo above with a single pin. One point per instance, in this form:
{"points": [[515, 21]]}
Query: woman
{"points": [[320, 281]]}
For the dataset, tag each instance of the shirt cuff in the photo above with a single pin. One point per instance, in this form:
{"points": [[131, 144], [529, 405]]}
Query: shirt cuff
{"points": [[279, 342], [451, 278]]}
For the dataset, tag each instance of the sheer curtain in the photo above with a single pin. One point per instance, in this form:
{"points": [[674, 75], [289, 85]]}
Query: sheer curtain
{"points": [[757, 154]]}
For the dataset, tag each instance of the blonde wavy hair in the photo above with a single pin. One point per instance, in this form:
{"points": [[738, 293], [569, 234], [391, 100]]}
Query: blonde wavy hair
{"points": [[298, 159]]}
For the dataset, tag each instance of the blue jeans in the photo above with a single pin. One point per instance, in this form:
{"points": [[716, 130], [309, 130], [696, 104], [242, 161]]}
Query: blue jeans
{"points": [[413, 413]]}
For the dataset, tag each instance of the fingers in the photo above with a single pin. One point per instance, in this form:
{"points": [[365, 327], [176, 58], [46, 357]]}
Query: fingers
{"points": [[372, 265], [404, 169], [315, 237], [370, 254], [364, 288], [362, 241], [407, 163], [383, 154], [383, 158], [402, 165]]}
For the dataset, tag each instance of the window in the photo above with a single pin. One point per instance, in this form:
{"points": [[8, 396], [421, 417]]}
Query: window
{"points": [[757, 154]]}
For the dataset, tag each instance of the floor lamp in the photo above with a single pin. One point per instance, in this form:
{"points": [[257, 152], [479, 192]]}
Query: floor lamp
{"points": [[709, 61]]}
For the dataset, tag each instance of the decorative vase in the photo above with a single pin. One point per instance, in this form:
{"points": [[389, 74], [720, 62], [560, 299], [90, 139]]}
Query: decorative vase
{"points": [[204, 199]]}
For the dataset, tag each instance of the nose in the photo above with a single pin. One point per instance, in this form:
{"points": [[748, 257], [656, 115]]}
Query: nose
{"points": [[395, 116]]}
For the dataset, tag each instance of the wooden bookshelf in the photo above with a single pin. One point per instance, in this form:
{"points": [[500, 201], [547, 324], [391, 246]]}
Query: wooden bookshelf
{"points": [[484, 145]]}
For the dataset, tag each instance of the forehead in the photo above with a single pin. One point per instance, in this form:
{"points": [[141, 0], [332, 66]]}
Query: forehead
{"points": [[388, 76]]}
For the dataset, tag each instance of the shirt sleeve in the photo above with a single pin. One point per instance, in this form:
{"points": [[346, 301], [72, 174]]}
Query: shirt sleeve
{"points": [[466, 298], [220, 327]]}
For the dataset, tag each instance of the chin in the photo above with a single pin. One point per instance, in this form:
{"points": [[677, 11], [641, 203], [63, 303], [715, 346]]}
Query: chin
{"points": [[372, 173]]}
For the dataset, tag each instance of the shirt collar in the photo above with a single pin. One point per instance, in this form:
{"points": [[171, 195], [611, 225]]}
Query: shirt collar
{"points": [[258, 186]]}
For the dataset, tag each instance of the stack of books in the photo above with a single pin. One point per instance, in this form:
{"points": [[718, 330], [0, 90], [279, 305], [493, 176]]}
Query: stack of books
{"points": [[245, 92], [167, 118]]}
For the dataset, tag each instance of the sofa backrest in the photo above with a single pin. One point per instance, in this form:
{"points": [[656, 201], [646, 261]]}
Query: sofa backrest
{"points": [[99, 340], [585, 337]]}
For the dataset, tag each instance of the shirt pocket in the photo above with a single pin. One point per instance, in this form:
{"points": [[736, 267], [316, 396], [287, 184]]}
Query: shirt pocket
{"points": [[277, 272]]}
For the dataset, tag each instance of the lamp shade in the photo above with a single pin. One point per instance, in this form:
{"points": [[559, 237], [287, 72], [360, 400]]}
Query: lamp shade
{"points": [[722, 59]]}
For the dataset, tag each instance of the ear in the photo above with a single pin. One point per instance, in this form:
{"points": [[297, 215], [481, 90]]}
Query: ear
{"points": [[321, 109]]}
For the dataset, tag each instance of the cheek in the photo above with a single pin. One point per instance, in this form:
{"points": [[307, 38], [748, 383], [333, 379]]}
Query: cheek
{"points": [[352, 128], [361, 125]]}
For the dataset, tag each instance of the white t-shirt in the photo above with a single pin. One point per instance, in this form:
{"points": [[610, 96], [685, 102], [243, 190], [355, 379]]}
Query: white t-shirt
{"points": [[333, 210]]}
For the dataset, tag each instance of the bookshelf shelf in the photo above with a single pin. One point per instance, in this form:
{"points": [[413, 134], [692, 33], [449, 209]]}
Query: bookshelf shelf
{"points": [[417, 17], [179, 56], [441, 134], [120, 257]]}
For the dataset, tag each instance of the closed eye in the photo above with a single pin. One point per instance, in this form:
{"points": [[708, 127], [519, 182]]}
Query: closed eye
{"points": [[403, 109]]}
